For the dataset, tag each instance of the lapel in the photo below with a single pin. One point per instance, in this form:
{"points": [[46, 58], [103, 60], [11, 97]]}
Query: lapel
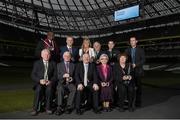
{"points": [[64, 67], [49, 68], [100, 72], [42, 66], [70, 68]]}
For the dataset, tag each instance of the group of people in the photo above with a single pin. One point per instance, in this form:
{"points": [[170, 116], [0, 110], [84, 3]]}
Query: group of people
{"points": [[89, 76]]}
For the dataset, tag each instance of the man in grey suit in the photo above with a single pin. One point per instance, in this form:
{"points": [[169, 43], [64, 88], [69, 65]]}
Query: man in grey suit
{"points": [[65, 72]]}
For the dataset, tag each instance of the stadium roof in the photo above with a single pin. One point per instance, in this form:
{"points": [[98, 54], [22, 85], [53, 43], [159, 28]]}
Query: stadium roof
{"points": [[80, 17]]}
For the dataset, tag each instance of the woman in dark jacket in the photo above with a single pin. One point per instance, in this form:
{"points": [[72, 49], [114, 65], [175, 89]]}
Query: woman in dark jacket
{"points": [[124, 79], [105, 77]]}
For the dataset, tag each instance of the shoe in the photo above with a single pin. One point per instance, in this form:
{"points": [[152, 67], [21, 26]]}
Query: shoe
{"points": [[34, 113], [109, 109], [49, 112], [59, 111], [68, 111], [121, 110], [96, 111], [105, 109], [131, 109], [79, 112]]}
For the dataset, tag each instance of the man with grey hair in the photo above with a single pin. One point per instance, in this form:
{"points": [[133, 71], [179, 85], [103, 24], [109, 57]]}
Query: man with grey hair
{"points": [[65, 83], [44, 77], [87, 84]]}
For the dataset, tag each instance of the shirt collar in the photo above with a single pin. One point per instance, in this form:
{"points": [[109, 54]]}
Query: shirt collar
{"points": [[68, 47]]}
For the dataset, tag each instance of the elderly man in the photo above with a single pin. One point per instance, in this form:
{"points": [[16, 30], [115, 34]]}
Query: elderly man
{"points": [[97, 51], [87, 84], [44, 77], [65, 83]]}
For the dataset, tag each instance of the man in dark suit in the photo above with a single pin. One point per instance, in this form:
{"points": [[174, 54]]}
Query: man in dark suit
{"points": [[112, 52], [44, 77], [48, 43], [69, 47], [66, 83], [97, 51], [87, 84], [136, 57]]}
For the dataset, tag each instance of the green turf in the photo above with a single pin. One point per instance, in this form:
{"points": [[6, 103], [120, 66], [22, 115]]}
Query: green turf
{"points": [[15, 100]]}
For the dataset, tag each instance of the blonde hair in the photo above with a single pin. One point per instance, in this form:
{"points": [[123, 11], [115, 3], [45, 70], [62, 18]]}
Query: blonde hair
{"points": [[86, 39]]}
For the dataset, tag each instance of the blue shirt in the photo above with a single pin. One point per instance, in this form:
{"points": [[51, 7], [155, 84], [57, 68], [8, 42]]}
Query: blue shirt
{"points": [[133, 51]]}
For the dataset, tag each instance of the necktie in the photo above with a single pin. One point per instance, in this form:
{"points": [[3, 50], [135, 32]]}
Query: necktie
{"points": [[85, 74], [45, 70], [67, 67], [70, 50]]}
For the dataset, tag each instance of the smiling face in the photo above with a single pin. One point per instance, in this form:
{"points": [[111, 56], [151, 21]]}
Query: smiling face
{"points": [[86, 44], [45, 54], [69, 41], [67, 56], [133, 42], [111, 44], [97, 46], [50, 35], [86, 58], [122, 59], [104, 59]]}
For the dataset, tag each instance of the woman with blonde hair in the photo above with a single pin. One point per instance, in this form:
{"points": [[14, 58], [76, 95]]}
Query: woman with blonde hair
{"points": [[86, 48]]}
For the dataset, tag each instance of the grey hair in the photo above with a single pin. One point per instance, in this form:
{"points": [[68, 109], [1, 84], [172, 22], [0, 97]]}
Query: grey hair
{"points": [[104, 55]]}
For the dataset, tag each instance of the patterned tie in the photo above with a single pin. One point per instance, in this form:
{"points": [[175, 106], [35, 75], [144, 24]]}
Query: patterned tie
{"points": [[45, 70], [67, 67]]}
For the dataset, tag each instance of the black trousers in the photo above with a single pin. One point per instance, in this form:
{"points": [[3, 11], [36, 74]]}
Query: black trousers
{"points": [[40, 92], [123, 91], [87, 94], [61, 90], [139, 90]]}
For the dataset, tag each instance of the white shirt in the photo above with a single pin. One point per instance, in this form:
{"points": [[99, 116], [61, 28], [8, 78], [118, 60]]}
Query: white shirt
{"points": [[91, 52], [85, 74], [46, 64]]}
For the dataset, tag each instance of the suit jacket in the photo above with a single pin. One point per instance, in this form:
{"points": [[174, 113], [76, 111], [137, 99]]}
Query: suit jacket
{"points": [[115, 53], [74, 53], [101, 77], [92, 74], [54, 54], [139, 60], [61, 70], [118, 73], [38, 71], [98, 55]]}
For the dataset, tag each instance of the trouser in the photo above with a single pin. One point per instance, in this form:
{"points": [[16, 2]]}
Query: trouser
{"points": [[61, 90], [87, 94], [139, 90], [40, 92], [123, 91]]}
